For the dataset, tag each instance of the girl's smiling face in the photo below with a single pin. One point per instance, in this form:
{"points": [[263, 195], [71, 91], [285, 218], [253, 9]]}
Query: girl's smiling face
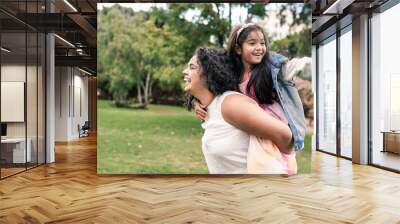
{"points": [[253, 48]]}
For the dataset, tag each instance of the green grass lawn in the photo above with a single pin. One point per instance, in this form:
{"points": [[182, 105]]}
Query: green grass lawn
{"points": [[162, 139]]}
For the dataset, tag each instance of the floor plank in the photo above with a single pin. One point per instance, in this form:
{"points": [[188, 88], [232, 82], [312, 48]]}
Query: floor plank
{"points": [[70, 191]]}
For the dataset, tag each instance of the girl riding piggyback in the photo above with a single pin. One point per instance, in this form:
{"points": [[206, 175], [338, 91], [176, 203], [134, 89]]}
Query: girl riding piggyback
{"points": [[265, 77]]}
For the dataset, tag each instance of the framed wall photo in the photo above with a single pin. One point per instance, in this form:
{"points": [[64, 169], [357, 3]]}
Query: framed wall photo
{"points": [[12, 101], [151, 57]]}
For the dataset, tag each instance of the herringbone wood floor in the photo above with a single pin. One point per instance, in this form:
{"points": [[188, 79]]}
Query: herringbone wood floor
{"points": [[70, 191]]}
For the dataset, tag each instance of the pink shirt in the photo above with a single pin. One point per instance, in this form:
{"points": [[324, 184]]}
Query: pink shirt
{"points": [[273, 159], [274, 109]]}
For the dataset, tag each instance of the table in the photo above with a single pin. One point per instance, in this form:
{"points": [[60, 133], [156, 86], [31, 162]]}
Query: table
{"points": [[18, 151]]}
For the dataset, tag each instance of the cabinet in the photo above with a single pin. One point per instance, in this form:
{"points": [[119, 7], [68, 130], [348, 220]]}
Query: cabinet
{"points": [[13, 150], [391, 141]]}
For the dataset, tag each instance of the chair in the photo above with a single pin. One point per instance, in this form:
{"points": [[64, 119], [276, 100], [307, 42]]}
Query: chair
{"points": [[84, 130]]}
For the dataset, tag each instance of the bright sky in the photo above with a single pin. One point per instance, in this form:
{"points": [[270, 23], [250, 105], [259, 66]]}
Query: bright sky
{"points": [[272, 22], [134, 6], [146, 6]]}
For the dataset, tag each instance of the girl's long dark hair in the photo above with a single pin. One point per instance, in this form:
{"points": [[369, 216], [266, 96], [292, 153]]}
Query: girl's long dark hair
{"points": [[261, 77]]}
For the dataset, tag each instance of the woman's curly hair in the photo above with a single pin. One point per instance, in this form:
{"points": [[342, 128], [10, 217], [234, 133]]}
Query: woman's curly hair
{"points": [[217, 69]]}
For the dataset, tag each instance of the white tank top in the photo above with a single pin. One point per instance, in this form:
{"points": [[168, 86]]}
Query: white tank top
{"points": [[224, 146]]}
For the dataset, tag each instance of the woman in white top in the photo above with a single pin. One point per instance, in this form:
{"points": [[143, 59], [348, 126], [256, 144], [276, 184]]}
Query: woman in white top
{"points": [[232, 116]]}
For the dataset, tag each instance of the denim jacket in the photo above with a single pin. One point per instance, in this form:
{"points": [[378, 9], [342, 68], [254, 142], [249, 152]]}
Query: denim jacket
{"points": [[289, 99]]}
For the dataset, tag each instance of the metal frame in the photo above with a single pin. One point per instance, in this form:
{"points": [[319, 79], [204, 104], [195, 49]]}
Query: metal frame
{"points": [[316, 98], [317, 90], [381, 9], [387, 5], [45, 89], [37, 92], [0, 91], [369, 78], [339, 32], [44, 75], [26, 88], [338, 73]]}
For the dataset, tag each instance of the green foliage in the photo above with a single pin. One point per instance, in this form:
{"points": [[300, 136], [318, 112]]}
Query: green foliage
{"points": [[117, 57], [254, 10], [142, 54], [133, 49], [295, 45]]}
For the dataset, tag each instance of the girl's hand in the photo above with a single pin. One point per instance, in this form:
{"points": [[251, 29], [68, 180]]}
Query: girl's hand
{"points": [[201, 113]]}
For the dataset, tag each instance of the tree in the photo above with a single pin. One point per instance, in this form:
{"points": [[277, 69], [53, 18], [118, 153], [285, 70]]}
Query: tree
{"points": [[117, 56], [295, 44], [159, 52], [142, 54]]}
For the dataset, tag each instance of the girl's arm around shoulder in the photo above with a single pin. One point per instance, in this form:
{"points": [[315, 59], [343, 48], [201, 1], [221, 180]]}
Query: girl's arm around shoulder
{"points": [[245, 114]]}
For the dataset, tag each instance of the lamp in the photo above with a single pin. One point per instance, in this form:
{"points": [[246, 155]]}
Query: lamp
{"points": [[70, 5], [5, 50], [84, 71], [337, 7], [64, 40]]}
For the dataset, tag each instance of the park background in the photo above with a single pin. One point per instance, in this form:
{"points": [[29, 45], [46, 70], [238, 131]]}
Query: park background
{"points": [[143, 127]]}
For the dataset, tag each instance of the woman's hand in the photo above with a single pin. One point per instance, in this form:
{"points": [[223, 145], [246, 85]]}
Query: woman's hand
{"points": [[201, 113]]}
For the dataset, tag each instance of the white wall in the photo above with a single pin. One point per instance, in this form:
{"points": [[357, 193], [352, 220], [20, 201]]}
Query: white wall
{"points": [[13, 73], [71, 87], [12, 101], [80, 110], [61, 103], [33, 126], [10, 73]]}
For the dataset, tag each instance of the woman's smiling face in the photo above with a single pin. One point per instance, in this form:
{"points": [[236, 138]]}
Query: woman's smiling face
{"points": [[193, 77], [253, 48]]}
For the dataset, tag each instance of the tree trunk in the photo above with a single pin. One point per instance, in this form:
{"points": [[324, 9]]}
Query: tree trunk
{"points": [[220, 37], [151, 88], [146, 89], [230, 16], [217, 6], [140, 99]]}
